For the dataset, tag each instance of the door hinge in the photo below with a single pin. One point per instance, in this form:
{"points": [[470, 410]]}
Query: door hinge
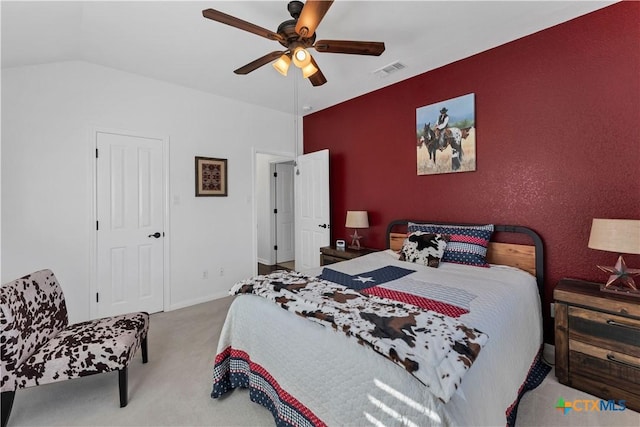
{"points": [[275, 211], [97, 297], [275, 247], [96, 153], [275, 174], [97, 225]]}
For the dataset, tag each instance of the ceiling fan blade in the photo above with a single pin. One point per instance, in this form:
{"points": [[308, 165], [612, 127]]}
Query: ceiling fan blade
{"points": [[310, 17], [351, 47], [317, 79], [240, 24], [259, 62]]}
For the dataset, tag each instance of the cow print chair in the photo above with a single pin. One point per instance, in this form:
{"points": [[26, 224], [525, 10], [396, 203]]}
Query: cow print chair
{"points": [[40, 347]]}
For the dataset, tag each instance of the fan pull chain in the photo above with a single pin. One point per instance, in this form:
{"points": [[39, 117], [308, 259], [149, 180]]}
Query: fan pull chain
{"points": [[296, 126]]}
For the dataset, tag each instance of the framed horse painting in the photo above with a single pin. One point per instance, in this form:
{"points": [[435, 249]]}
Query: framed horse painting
{"points": [[446, 136], [211, 177]]}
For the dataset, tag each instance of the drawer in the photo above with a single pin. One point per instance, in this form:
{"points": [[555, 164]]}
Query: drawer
{"points": [[605, 366], [621, 360], [609, 331]]}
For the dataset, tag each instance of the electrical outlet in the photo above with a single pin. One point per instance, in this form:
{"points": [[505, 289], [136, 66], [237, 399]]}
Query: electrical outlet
{"points": [[552, 310], [205, 274], [221, 271]]}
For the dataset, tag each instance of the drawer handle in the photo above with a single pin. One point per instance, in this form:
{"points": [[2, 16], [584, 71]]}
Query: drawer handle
{"points": [[612, 358], [622, 325]]}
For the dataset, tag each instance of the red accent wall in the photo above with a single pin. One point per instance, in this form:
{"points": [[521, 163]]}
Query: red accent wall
{"points": [[558, 143]]}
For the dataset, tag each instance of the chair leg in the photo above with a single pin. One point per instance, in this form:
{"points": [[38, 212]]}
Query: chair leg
{"points": [[143, 346], [122, 382], [7, 404], [122, 375]]}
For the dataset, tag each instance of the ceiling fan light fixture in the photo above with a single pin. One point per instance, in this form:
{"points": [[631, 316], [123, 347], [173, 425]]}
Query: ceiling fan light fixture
{"points": [[297, 35], [282, 64], [301, 58], [309, 70]]}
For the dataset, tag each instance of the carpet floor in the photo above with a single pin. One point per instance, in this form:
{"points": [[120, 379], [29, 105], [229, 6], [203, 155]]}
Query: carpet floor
{"points": [[173, 388]]}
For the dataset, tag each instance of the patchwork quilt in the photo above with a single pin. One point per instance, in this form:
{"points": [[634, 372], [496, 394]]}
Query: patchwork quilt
{"points": [[435, 348]]}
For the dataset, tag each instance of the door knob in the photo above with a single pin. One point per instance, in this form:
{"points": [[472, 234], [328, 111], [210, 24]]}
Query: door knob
{"points": [[156, 235], [323, 225]]}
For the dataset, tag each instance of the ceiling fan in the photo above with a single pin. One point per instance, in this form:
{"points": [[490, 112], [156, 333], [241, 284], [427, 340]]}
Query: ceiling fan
{"points": [[297, 35]]}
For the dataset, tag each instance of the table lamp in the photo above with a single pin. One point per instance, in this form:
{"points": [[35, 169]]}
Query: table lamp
{"points": [[355, 220], [621, 236]]}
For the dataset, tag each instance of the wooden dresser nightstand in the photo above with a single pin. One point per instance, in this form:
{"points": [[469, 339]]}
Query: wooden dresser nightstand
{"points": [[330, 255], [598, 341]]}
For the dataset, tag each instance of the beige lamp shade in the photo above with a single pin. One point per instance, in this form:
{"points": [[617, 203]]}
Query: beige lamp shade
{"points": [[615, 235], [357, 219], [309, 70], [301, 58], [282, 64]]}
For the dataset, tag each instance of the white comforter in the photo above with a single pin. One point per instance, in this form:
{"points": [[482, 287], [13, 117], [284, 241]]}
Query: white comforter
{"points": [[343, 383]]}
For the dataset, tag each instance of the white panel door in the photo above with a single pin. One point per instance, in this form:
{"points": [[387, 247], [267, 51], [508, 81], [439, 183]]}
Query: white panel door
{"points": [[312, 208], [285, 206], [130, 244]]}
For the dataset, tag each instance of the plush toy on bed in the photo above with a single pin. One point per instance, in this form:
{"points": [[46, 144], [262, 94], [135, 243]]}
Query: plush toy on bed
{"points": [[424, 248]]}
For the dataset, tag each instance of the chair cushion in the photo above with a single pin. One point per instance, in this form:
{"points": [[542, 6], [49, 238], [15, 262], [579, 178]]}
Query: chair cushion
{"points": [[86, 348]]}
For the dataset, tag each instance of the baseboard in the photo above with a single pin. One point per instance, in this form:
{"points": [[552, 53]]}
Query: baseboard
{"points": [[195, 301]]}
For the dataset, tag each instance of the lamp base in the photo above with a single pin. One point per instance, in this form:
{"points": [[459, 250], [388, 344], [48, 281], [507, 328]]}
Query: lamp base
{"points": [[355, 241], [619, 290], [621, 277]]}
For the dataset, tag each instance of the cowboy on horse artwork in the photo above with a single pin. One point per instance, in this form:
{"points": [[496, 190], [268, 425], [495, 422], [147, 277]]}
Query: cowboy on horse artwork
{"points": [[455, 128], [441, 125]]}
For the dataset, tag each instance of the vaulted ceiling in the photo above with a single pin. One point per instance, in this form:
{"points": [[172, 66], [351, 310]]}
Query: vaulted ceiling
{"points": [[172, 42]]}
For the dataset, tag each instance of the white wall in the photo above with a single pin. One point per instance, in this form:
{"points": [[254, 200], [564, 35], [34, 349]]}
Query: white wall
{"points": [[48, 112]]}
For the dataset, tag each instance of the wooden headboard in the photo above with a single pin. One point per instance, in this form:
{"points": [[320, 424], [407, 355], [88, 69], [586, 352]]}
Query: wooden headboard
{"points": [[529, 258]]}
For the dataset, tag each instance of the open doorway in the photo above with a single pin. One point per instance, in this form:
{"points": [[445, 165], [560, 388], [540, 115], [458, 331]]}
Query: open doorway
{"points": [[275, 211], [283, 220]]}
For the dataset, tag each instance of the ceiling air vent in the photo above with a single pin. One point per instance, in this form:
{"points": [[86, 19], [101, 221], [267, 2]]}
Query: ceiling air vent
{"points": [[389, 69]]}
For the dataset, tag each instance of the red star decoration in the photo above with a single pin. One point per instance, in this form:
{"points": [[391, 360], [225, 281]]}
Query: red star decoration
{"points": [[620, 273]]}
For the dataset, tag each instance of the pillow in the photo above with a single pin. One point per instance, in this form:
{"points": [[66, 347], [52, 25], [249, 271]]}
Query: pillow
{"points": [[467, 244], [424, 248]]}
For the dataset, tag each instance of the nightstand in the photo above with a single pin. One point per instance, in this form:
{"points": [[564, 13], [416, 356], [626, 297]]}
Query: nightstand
{"points": [[598, 341], [330, 255]]}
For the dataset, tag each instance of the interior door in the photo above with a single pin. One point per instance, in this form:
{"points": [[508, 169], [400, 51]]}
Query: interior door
{"points": [[285, 212], [312, 208], [130, 219]]}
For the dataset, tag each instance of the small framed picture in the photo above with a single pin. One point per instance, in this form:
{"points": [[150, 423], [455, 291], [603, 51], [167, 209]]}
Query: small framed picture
{"points": [[211, 177]]}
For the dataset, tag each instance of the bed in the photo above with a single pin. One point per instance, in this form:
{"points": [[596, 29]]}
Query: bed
{"points": [[323, 371]]}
